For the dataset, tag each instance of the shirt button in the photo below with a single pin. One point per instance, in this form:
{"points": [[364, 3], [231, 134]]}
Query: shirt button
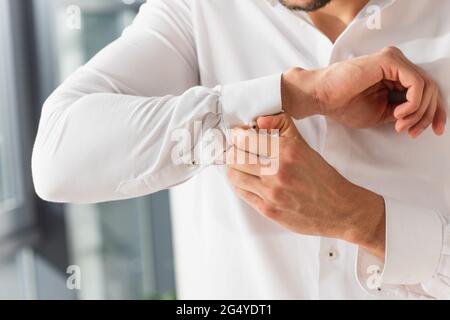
{"points": [[332, 254], [193, 164]]}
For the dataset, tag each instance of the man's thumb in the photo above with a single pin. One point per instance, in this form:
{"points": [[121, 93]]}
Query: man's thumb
{"points": [[282, 122]]}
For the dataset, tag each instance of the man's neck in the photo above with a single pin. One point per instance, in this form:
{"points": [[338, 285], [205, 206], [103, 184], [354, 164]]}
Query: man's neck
{"points": [[334, 18]]}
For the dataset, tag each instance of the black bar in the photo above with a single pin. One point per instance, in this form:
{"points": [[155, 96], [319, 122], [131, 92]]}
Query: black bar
{"points": [[235, 309]]}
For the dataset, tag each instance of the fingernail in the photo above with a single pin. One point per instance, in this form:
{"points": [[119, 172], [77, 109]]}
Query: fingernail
{"points": [[401, 128]]}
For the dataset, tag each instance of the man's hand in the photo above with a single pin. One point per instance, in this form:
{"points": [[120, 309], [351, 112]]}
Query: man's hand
{"points": [[307, 195], [358, 93]]}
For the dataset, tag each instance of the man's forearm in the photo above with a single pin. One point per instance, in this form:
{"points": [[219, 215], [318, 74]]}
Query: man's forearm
{"points": [[307, 195], [367, 228], [356, 93], [298, 93]]}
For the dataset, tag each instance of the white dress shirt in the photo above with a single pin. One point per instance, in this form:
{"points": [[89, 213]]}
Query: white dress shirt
{"points": [[105, 135]]}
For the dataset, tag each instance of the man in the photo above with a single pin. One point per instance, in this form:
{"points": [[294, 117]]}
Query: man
{"points": [[350, 186]]}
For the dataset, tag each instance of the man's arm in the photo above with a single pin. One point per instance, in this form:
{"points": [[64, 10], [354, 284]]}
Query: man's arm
{"points": [[106, 132], [358, 93], [303, 192], [416, 263], [404, 251]]}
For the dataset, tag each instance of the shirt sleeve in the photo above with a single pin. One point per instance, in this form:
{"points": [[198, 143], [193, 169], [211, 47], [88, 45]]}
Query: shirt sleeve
{"points": [[417, 258], [111, 130]]}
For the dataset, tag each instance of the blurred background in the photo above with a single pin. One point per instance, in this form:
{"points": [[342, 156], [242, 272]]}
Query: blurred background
{"points": [[123, 249]]}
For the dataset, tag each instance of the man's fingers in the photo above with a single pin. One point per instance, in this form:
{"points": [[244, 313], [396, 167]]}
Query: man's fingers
{"points": [[265, 140], [422, 79], [282, 122], [440, 117], [427, 119], [396, 69], [243, 161], [245, 181], [427, 103], [415, 86], [250, 198], [258, 203], [389, 116], [251, 189], [435, 109], [263, 143]]}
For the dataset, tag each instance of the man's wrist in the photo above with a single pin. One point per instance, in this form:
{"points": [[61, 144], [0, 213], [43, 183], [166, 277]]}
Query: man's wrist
{"points": [[298, 93], [367, 228]]}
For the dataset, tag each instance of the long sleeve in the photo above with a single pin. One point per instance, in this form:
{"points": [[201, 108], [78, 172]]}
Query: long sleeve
{"points": [[417, 260], [109, 131]]}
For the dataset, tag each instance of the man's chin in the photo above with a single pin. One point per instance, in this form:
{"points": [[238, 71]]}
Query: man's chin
{"points": [[308, 6]]}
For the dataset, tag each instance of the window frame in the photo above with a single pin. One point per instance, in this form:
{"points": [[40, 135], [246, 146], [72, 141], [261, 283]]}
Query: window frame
{"points": [[155, 207], [18, 224]]}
